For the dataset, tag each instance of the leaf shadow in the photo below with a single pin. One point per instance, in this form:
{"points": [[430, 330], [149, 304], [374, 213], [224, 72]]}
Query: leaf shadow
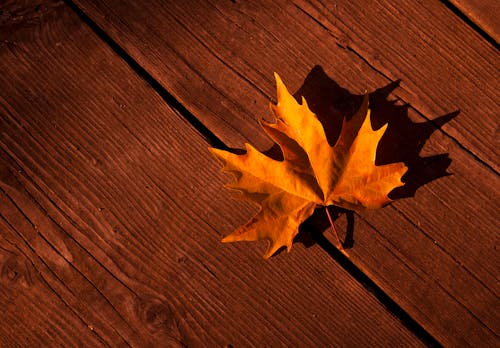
{"points": [[402, 142]]}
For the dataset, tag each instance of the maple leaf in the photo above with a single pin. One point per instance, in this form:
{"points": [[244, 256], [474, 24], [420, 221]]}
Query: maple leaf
{"points": [[312, 173]]}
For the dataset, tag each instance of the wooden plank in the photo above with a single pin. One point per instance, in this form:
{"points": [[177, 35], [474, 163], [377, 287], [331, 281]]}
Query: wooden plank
{"points": [[442, 63], [112, 201], [24, 290], [221, 72], [431, 263], [484, 13]]}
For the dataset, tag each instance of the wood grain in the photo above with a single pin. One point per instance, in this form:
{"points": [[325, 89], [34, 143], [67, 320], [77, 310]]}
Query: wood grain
{"points": [[423, 251], [442, 63], [484, 13], [111, 216]]}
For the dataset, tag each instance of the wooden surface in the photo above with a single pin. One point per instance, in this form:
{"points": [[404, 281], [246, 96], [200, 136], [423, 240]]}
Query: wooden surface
{"points": [[112, 208], [483, 13]]}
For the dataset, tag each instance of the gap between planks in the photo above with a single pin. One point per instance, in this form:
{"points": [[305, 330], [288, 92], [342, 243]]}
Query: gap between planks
{"points": [[214, 141], [63, 227]]}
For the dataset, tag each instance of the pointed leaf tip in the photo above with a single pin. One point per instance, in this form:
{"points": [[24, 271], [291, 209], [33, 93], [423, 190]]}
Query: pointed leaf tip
{"points": [[281, 89], [226, 239], [277, 77]]}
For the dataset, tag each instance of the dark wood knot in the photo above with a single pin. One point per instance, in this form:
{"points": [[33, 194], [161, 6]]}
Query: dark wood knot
{"points": [[159, 316], [16, 270]]}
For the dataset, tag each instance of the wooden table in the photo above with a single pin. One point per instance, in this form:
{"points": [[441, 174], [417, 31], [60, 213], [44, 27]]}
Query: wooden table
{"points": [[112, 208]]}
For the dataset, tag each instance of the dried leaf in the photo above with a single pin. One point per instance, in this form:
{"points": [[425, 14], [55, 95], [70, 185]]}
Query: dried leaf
{"points": [[311, 173]]}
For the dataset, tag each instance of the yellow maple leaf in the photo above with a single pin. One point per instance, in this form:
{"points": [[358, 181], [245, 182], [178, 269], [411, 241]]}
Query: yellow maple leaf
{"points": [[311, 173]]}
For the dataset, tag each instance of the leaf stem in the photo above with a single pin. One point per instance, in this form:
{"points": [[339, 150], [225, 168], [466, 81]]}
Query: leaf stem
{"points": [[333, 228]]}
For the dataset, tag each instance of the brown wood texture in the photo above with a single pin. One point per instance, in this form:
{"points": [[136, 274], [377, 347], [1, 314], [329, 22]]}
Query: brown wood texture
{"points": [[443, 64], [111, 212], [434, 254], [484, 13]]}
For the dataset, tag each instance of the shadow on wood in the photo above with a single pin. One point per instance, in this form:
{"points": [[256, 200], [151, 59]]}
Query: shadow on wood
{"points": [[402, 141]]}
